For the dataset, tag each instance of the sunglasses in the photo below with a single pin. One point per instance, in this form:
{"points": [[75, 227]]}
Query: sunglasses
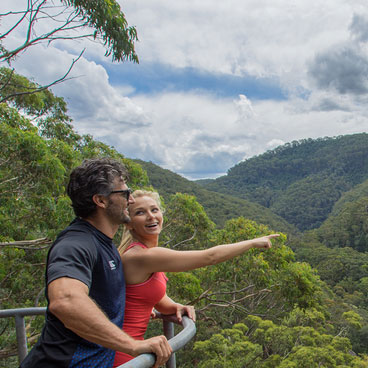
{"points": [[125, 192]]}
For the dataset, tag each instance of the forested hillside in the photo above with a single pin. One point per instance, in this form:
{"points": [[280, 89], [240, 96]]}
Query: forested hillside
{"points": [[347, 225], [219, 207], [300, 181]]}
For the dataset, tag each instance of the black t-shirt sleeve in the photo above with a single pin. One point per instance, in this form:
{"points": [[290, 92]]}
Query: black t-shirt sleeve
{"points": [[74, 257]]}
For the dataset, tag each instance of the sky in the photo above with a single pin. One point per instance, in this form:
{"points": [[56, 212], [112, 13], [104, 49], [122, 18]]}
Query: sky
{"points": [[217, 82]]}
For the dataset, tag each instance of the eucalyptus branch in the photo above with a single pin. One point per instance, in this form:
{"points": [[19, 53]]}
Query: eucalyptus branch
{"points": [[234, 291], [8, 352], [27, 244], [34, 17], [342, 332], [69, 37], [9, 180], [7, 82], [196, 300], [4, 329], [206, 294], [186, 240], [4, 35], [180, 243], [40, 293], [42, 88], [7, 297], [224, 304], [32, 248]]}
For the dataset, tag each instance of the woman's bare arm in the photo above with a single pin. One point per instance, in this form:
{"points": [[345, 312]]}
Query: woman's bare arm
{"points": [[167, 306], [157, 259]]}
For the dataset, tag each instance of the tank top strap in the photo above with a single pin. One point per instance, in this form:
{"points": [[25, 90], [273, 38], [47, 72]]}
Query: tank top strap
{"points": [[135, 244]]}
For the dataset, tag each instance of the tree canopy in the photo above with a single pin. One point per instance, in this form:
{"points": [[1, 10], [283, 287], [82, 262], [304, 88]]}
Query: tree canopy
{"points": [[302, 180]]}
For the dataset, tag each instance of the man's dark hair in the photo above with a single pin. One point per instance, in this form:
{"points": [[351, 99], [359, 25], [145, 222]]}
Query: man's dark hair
{"points": [[93, 176]]}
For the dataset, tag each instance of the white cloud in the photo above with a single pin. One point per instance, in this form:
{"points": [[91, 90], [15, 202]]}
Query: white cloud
{"points": [[197, 133]]}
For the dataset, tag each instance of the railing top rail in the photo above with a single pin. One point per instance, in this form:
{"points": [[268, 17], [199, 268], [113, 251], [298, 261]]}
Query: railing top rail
{"points": [[4, 313], [176, 343], [143, 360]]}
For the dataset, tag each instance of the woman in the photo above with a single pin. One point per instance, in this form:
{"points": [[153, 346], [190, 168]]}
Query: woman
{"points": [[144, 263]]}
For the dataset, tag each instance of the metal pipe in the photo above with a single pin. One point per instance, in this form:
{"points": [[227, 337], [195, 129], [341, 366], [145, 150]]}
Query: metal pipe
{"points": [[176, 343], [169, 333], [20, 330], [142, 361], [4, 313], [20, 327]]}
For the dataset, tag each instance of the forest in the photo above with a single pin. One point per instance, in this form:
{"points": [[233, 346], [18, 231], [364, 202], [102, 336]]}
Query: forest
{"points": [[301, 304]]}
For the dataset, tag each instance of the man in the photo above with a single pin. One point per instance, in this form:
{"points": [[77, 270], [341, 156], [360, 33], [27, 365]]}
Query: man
{"points": [[85, 286]]}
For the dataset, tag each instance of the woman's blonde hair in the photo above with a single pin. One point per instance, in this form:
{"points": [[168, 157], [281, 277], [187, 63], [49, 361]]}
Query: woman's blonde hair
{"points": [[127, 237]]}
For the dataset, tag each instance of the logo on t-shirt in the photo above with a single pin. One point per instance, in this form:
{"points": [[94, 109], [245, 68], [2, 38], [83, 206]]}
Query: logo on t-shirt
{"points": [[112, 265]]}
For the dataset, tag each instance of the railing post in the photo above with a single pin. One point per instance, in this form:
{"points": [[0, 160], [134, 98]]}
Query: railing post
{"points": [[20, 330], [169, 333]]}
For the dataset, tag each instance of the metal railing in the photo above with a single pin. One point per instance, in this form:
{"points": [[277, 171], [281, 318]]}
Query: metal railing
{"points": [[20, 327], [141, 361]]}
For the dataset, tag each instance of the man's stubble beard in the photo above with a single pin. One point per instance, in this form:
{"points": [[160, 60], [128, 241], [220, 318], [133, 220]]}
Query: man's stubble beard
{"points": [[117, 216]]}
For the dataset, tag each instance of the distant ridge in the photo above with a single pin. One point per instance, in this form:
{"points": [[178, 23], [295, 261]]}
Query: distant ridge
{"points": [[302, 180], [219, 207]]}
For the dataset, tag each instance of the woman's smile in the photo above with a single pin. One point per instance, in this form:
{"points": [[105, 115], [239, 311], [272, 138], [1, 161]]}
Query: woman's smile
{"points": [[146, 217]]}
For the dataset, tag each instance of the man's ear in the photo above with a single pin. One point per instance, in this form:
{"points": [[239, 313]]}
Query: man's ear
{"points": [[100, 200]]}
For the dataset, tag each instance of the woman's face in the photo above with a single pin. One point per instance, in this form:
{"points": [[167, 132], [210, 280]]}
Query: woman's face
{"points": [[146, 217]]}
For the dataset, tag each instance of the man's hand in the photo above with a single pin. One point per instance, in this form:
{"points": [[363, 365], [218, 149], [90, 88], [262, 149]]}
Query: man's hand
{"points": [[157, 345]]}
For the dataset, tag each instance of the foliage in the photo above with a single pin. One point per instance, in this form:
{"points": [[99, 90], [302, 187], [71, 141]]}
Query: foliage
{"points": [[219, 207], [104, 17], [109, 21], [345, 271], [35, 162], [186, 223], [302, 180], [315, 194], [31, 178], [258, 343], [347, 226], [270, 282]]}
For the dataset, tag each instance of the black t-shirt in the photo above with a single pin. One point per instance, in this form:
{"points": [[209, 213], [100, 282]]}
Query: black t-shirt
{"points": [[84, 253]]}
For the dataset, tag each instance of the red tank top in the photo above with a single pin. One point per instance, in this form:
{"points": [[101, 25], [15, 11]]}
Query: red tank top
{"points": [[140, 300]]}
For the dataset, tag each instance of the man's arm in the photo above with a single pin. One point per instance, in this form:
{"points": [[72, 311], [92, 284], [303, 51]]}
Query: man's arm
{"points": [[71, 304]]}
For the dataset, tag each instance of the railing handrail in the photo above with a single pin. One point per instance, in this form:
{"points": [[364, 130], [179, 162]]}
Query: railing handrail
{"points": [[34, 311], [176, 342], [141, 361]]}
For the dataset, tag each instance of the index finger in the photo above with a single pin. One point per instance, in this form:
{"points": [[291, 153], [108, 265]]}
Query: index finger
{"points": [[271, 236]]}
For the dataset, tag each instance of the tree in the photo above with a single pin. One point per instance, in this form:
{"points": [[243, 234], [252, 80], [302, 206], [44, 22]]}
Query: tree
{"points": [[105, 17], [100, 20], [258, 343], [36, 157]]}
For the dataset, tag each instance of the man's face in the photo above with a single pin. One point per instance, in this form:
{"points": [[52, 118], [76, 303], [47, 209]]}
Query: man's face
{"points": [[117, 207]]}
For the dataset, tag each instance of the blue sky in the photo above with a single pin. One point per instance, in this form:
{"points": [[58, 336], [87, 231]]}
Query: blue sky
{"points": [[155, 78], [218, 82]]}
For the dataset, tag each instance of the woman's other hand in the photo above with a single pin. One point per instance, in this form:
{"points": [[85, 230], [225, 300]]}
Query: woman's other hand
{"points": [[185, 310]]}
